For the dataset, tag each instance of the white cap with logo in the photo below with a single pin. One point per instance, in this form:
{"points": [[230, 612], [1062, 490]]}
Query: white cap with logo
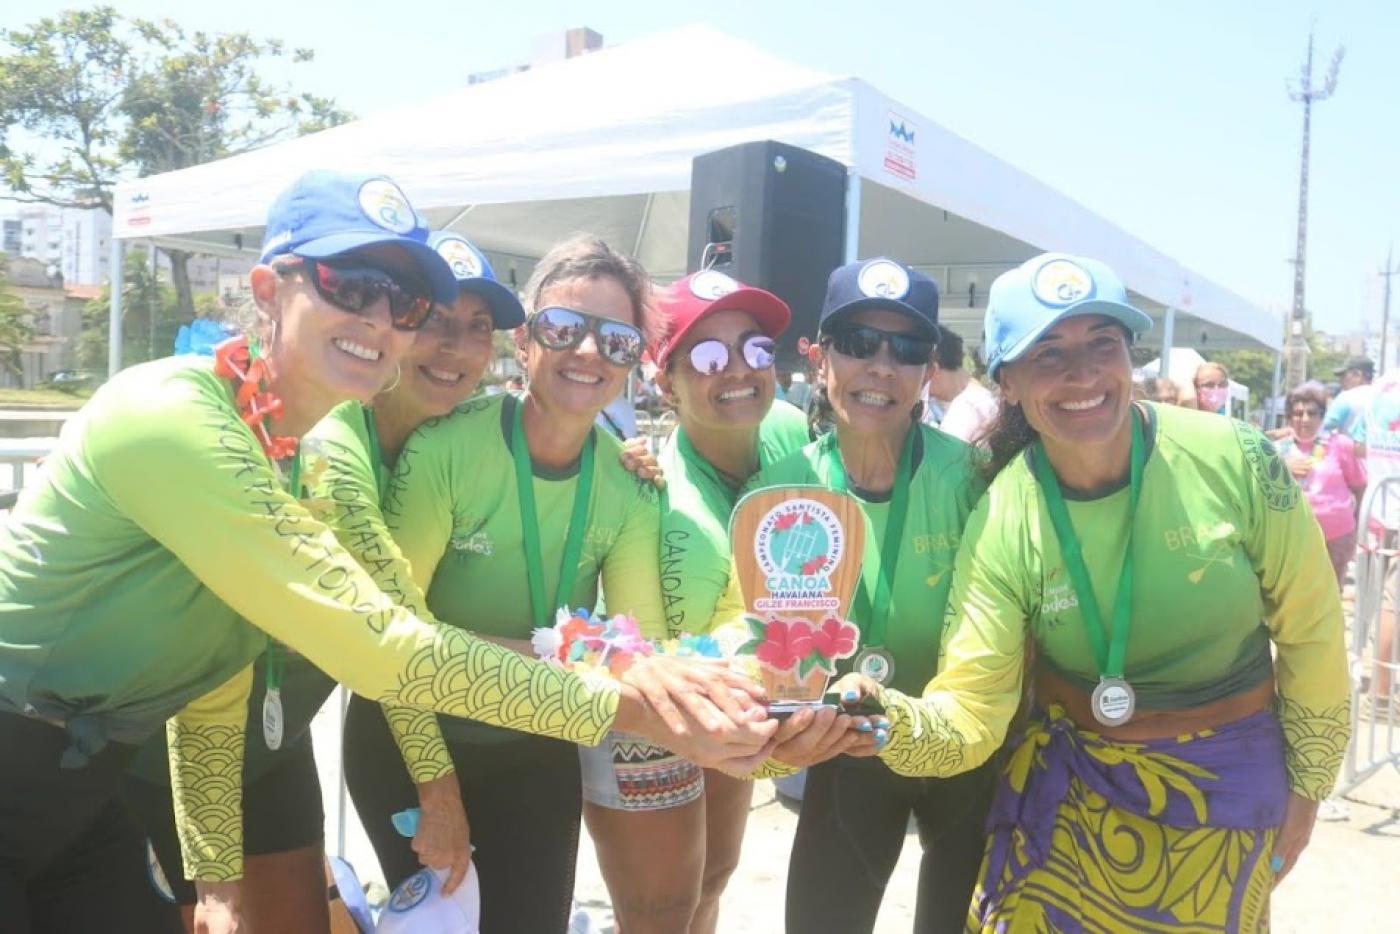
{"points": [[418, 906]]}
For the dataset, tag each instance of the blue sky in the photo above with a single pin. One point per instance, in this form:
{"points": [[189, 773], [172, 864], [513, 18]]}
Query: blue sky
{"points": [[1171, 119]]}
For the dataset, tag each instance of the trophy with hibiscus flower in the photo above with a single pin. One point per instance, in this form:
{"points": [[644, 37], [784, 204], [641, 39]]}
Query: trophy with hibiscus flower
{"points": [[797, 550]]}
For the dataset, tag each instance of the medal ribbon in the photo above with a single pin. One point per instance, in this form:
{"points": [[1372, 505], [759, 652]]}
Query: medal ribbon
{"points": [[573, 542], [376, 455], [1109, 657], [878, 610], [276, 655]]}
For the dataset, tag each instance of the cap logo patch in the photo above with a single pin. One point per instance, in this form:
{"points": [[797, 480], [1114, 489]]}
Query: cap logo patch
{"points": [[709, 285], [386, 206], [1061, 282], [413, 890], [461, 257], [882, 278]]}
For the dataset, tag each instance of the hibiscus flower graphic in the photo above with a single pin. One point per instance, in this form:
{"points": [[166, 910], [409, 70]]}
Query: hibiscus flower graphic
{"points": [[785, 643], [834, 639]]}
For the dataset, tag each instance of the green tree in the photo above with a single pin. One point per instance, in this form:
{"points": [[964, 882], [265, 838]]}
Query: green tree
{"points": [[151, 316], [90, 97], [1253, 368], [15, 329], [1323, 363]]}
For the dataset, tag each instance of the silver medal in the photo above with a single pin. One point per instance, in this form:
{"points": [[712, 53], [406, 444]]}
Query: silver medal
{"points": [[876, 664], [272, 718], [1113, 701]]}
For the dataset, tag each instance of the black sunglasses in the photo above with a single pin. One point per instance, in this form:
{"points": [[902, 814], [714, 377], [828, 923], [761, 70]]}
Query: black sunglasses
{"points": [[711, 356], [864, 342], [354, 285], [558, 328]]}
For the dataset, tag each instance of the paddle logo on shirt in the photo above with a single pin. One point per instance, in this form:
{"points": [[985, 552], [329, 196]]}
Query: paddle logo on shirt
{"points": [[798, 544]]}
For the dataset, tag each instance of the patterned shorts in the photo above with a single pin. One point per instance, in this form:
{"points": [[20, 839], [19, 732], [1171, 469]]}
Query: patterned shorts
{"points": [[627, 773]]}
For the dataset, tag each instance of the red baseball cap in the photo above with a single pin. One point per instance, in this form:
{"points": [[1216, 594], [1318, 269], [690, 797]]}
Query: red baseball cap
{"points": [[688, 300]]}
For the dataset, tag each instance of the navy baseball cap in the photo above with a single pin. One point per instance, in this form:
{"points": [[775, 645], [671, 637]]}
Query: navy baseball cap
{"points": [[881, 283], [324, 214], [474, 274], [1029, 300]]}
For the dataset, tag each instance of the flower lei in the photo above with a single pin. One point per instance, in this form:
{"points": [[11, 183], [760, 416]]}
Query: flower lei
{"points": [[585, 642], [239, 359]]}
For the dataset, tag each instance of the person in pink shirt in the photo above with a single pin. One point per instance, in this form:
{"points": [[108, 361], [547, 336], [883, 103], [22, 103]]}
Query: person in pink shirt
{"points": [[1327, 468]]}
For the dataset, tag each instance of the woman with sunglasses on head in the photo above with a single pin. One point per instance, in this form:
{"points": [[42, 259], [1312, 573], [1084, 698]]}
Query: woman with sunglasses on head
{"points": [[160, 551], [917, 487], [1150, 562], [1326, 466], [511, 508], [667, 832]]}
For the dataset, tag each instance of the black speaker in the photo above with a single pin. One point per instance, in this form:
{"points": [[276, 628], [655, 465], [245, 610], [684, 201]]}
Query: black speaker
{"points": [[773, 216]]}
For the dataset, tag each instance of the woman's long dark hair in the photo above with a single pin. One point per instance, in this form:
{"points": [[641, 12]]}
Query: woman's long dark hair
{"points": [[1006, 437]]}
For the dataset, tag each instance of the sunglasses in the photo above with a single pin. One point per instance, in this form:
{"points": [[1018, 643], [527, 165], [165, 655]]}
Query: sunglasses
{"points": [[355, 286], [564, 328], [862, 343], [1306, 413], [711, 356]]}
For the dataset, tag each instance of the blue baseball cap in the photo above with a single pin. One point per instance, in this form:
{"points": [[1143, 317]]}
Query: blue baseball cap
{"points": [[324, 214], [474, 274], [881, 283], [1029, 300]]}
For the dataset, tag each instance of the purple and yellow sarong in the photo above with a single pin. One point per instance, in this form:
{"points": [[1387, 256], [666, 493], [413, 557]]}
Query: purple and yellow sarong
{"points": [[1087, 834]]}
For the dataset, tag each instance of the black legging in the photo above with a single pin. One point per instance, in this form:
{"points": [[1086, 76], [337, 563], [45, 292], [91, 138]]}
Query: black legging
{"points": [[523, 801], [71, 857], [855, 813]]}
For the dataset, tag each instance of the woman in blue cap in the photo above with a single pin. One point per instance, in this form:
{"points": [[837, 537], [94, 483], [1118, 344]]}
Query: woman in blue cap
{"points": [[162, 551], [916, 487], [347, 458], [1161, 579]]}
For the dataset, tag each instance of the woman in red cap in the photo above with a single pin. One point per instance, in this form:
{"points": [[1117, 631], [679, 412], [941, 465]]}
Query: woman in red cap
{"points": [[668, 833]]}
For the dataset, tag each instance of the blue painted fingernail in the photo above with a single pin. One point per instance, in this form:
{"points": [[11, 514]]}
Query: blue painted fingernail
{"points": [[882, 723], [1276, 864], [851, 696], [881, 737], [864, 726]]}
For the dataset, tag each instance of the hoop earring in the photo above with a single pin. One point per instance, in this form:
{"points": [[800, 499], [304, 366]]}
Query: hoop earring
{"points": [[398, 375]]}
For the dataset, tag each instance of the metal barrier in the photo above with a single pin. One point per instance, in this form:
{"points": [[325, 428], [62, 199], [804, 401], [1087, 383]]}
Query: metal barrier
{"points": [[20, 455], [1375, 667]]}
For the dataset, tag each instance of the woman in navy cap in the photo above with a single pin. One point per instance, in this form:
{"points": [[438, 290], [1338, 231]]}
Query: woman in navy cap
{"points": [[916, 487], [169, 542], [1161, 577]]}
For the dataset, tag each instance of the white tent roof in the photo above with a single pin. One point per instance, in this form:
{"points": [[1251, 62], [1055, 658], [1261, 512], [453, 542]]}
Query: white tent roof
{"points": [[605, 142]]}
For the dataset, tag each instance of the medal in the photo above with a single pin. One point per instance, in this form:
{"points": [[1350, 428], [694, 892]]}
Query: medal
{"points": [[873, 613], [875, 663], [1113, 701], [272, 718]]}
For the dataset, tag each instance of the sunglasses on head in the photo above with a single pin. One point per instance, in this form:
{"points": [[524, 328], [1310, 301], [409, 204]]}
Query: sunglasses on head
{"points": [[557, 328], [355, 285], [711, 355], [864, 342]]}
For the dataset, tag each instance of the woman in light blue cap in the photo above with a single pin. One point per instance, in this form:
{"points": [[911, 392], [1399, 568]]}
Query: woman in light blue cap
{"points": [[1158, 577]]}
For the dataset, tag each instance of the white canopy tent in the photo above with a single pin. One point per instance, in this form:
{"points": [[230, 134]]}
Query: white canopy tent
{"points": [[605, 142]]}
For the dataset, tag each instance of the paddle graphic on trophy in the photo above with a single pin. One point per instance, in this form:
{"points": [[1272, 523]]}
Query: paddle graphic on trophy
{"points": [[798, 552]]}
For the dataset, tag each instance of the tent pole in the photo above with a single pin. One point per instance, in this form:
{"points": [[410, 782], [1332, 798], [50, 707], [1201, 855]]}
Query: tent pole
{"points": [[642, 225], [114, 319], [1164, 363], [852, 216]]}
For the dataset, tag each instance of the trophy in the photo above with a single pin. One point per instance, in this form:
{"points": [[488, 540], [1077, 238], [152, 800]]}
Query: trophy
{"points": [[797, 551]]}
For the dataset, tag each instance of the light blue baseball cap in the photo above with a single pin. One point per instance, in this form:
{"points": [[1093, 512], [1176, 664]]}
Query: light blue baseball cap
{"points": [[1029, 300], [474, 274], [324, 214]]}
